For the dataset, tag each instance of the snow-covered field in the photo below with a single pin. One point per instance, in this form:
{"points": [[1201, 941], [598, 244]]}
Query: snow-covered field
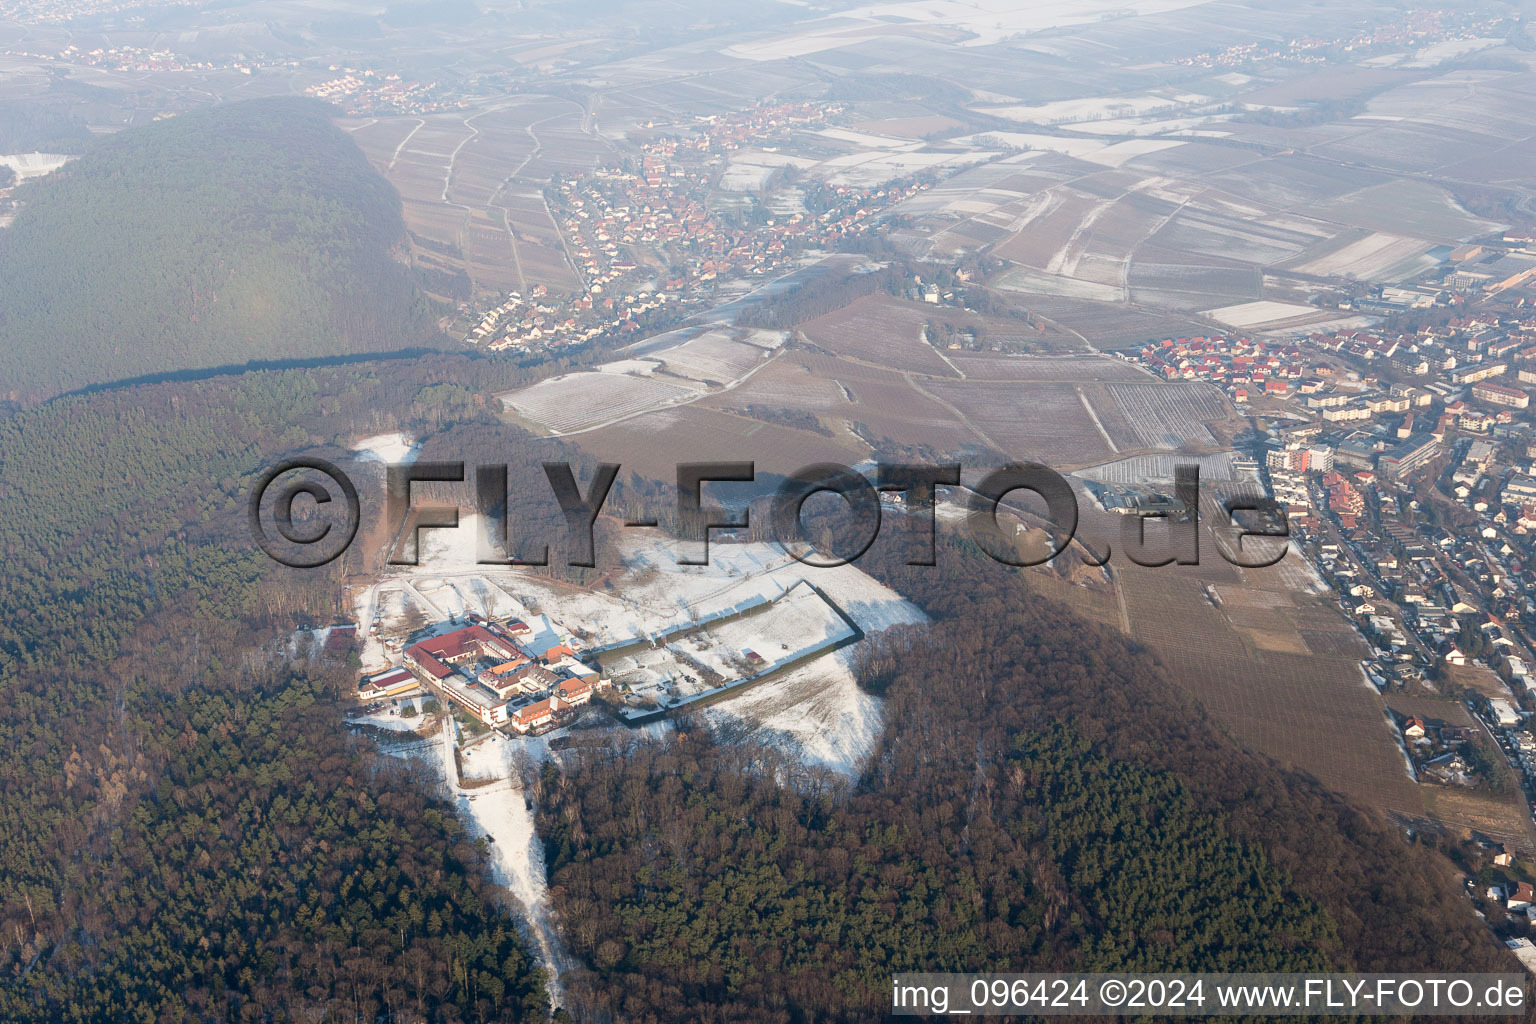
{"points": [[1027, 279], [33, 165], [1139, 469], [1438, 53], [816, 712], [868, 141], [1257, 314], [985, 21], [1097, 108], [744, 177], [1097, 151], [573, 402], [870, 169], [1370, 258]]}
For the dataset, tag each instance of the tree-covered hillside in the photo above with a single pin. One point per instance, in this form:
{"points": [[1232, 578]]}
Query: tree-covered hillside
{"points": [[188, 830], [1040, 800], [252, 232]]}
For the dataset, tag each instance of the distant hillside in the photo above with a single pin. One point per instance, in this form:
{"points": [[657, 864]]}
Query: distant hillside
{"points": [[252, 232]]}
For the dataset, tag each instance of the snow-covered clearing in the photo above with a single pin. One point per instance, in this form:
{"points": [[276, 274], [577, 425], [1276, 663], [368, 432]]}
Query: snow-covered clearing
{"points": [[812, 711], [392, 448], [501, 811], [816, 712]]}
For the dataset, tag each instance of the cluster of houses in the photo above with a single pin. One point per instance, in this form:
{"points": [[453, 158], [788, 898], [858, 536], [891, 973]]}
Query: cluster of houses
{"points": [[366, 91], [1462, 353], [1403, 428], [1467, 361], [1438, 751], [664, 209], [1516, 897], [1474, 366], [1414, 29], [139, 58], [1348, 461], [505, 674], [644, 238], [542, 320], [1245, 368]]}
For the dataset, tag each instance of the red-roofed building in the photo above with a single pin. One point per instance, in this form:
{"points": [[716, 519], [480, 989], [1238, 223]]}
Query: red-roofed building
{"points": [[389, 683], [574, 691], [539, 715], [555, 653], [435, 655]]}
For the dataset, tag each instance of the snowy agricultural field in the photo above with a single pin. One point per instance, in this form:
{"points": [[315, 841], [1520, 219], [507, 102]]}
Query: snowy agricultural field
{"points": [[766, 158], [575, 402], [1171, 415], [1097, 151], [1154, 126], [1160, 469], [712, 356], [1260, 313], [1097, 108], [1438, 53], [986, 21], [870, 169], [868, 141], [1025, 279], [1372, 258]]}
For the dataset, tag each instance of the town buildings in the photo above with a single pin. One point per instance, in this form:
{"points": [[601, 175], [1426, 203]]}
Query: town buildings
{"points": [[648, 242]]}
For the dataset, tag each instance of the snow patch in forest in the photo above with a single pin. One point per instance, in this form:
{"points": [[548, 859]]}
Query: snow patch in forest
{"points": [[391, 448]]}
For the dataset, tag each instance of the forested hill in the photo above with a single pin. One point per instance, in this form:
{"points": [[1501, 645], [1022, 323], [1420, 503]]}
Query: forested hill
{"points": [[252, 232], [188, 830]]}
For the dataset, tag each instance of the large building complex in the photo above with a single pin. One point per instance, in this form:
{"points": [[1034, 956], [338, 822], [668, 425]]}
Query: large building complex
{"points": [[503, 673]]}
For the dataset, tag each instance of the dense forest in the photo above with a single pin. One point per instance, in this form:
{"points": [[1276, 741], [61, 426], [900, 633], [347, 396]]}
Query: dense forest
{"points": [[41, 126], [245, 233], [1040, 800], [189, 830]]}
